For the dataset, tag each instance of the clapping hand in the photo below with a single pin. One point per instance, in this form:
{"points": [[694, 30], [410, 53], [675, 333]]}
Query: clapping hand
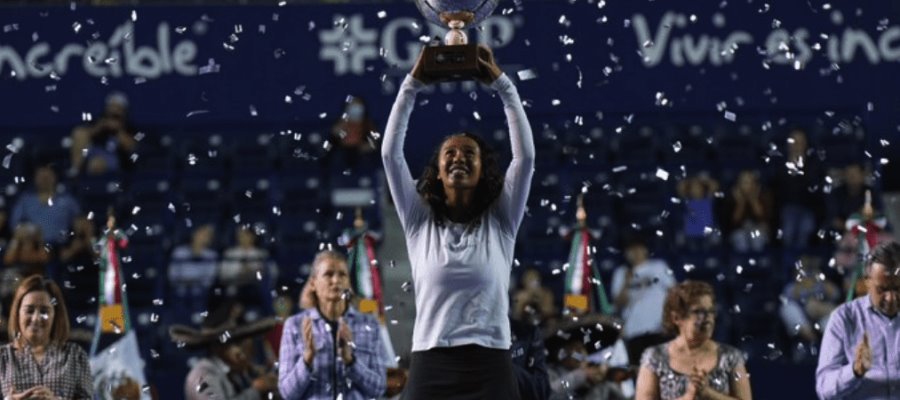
{"points": [[345, 335], [309, 350], [863, 360], [36, 392]]}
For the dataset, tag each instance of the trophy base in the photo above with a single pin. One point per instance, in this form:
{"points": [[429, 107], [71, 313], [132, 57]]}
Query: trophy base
{"points": [[451, 63]]}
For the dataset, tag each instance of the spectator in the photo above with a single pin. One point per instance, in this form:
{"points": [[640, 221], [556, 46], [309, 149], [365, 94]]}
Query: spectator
{"points": [[528, 356], [533, 302], [692, 366], [639, 290], [859, 348], [106, 145], [749, 209], [798, 186], [77, 265], [578, 370], [247, 271], [51, 210], [192, 271], [352, 134], [698, 193], [808, 300], [890, 190], [41, 363], [5, 230], [25, 256], [227, 371], [331, 350], [848, 198]]}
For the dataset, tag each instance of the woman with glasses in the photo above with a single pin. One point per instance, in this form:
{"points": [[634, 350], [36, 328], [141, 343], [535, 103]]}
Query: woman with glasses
{"points": [[692, 366]]}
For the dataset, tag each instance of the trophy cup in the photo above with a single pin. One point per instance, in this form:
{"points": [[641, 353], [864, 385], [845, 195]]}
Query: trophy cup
{"points": [[456, 60]]}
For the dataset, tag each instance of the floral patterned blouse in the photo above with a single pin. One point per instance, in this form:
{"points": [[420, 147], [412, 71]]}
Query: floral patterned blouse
{"points": [[673, 384]]}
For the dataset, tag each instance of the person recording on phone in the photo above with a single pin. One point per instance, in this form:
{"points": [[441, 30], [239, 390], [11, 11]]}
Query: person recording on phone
{"points": [[859, 353]]}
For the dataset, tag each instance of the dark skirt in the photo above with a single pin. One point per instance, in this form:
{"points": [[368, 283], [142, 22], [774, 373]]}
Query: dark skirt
{"points": [[461, 373]]}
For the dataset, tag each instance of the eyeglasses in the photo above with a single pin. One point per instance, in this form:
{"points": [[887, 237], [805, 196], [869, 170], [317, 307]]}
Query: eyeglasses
{"points": [[701, 313]]}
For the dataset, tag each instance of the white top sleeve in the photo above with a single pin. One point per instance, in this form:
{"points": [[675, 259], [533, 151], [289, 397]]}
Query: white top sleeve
{"points": [[517, 183], [409, 205]]}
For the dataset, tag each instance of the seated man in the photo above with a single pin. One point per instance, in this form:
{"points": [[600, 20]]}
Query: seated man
{"points": [[331, 350]]}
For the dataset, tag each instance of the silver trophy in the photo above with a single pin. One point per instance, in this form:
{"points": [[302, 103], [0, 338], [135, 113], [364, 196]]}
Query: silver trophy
{"points": [[456, 59]]}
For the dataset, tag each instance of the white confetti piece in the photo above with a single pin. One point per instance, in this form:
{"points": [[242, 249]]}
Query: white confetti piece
{"points": [[662, 174], [526, 74]]}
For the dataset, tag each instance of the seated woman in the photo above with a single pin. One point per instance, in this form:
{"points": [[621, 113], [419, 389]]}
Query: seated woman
{"points": [[692, 366], [39, 363]]}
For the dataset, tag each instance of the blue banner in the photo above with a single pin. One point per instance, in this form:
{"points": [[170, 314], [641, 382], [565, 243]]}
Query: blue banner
{"points": [[295, 65]]}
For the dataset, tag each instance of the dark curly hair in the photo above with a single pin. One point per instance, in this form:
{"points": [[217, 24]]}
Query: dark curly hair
{"points": [[488, 189], [679, 300]]}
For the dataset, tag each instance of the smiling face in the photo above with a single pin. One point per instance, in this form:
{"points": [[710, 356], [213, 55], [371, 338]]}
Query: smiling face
{"points": [[459, 163], [330, 280], [698, 323], [36, 313]]}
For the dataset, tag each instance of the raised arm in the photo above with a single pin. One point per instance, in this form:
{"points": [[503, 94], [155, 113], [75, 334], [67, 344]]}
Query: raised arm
{"points": [[399, 179], [521, 168]]}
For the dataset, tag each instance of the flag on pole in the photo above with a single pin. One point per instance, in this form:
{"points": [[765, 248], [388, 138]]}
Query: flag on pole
{"points": [[116, 363], [584, 286], [366, 277], [865, 226]]}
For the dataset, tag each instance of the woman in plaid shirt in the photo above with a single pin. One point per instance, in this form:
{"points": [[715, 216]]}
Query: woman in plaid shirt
{"points": [[39, 363], [331, 350]]}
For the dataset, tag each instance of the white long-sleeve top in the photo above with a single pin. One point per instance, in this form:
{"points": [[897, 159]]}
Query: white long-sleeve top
{"points": [[460, 277]]}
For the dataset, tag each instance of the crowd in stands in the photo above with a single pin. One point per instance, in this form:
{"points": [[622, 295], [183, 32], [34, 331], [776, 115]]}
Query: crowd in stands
{"points": [[769, 219]]}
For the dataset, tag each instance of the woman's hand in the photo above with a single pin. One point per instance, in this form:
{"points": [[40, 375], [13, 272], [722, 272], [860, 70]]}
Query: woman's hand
{"points": [[309, 350], [418, 71], [487, 65], [346, 338], [36, 392]]}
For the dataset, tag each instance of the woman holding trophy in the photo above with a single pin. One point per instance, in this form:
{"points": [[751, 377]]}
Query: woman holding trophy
{"points": [[460, 223]]}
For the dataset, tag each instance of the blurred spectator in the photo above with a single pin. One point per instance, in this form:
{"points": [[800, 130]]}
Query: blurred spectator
{"points": [[193, 268], [574, 372], [247, 271], [890, 190], [227, 372], [692, 366], [749, 209], [106, 145], [51, 210], [284, 307], [698, 193], [639, 290], [808, 300], [528, 356], [5, 230], [532, 302], [25, 256], [798, 186], [849, 197], [80, 248], [351, 133]]}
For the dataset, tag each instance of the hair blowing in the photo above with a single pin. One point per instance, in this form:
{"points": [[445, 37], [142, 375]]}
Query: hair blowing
{"points": [[488, 189]]}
